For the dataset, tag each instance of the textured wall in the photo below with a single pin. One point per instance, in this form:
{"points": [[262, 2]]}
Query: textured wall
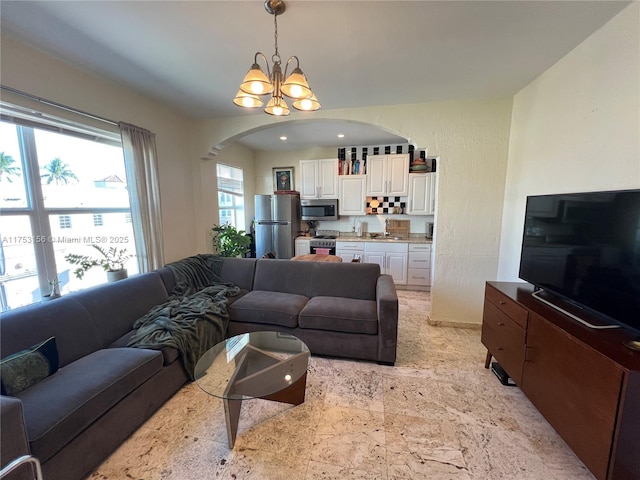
{"points": [[576, 127]]}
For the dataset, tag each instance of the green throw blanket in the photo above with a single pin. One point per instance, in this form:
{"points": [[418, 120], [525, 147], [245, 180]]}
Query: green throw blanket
{"points": [[194, 273], [190, 322]]}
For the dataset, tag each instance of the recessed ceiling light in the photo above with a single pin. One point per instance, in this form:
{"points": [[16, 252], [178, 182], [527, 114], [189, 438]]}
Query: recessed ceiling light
{"points": [[341, 135], [283, 138]]}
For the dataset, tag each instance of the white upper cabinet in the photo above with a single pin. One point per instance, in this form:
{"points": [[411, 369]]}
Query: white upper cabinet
{"points": [[351, 198], [388, 175], [422, 194], [319, 178]]}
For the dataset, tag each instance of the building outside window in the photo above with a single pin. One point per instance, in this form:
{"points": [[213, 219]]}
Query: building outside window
{"points": [[64, 221], [61, 190], [230, 196]]}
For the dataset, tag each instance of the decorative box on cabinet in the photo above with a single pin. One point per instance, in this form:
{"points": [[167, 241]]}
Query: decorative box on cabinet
{"points": [[388, 175], [319, 178], [585, 382]]}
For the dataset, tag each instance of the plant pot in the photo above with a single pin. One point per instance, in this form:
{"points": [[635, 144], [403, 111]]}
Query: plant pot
{"points": [[114, 276], [47, 298]]}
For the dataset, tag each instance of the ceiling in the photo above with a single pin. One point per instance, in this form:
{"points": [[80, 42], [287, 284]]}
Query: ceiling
{"points": [[192, 55]]}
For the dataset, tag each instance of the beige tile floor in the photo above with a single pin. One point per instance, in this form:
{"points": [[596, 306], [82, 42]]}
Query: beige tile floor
{"points": [[438, 414]]}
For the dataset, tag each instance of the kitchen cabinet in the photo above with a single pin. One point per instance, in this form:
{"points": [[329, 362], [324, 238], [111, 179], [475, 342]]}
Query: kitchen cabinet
{"points": [[302, 246], [348, 250], [351, 194], [392, 258], [319, 178], [422, 194], [419, 265], [388, 175]]}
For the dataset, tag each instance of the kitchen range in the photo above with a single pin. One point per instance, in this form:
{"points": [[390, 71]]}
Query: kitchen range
{"points": [[324, 242]]}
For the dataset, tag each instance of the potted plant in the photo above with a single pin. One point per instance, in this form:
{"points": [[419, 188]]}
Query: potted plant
{"points": [[230, 242], [53, 290], [111, 260]]}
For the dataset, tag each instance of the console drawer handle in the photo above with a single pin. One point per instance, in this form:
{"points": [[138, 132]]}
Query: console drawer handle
{"points": [[502, 302], [499, 349], [501, 324]]}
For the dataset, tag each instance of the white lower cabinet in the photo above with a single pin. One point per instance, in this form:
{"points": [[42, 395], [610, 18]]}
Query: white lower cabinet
{"points": [[392, 258], [302, 246], [348, 250], [419, 271]]}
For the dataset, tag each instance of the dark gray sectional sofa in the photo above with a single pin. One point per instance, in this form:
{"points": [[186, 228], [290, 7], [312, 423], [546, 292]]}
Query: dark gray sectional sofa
{"points": [[104, 390]]}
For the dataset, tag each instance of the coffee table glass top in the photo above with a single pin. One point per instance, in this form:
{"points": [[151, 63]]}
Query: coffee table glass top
{"points": [[252, 365]]}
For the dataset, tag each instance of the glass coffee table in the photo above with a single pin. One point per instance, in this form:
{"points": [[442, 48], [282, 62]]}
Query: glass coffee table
{"points": [[267, 365]]}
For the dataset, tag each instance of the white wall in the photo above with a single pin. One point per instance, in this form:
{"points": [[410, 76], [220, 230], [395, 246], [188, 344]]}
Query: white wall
{"points": [[575, 128], [205, 183], [31, 71]]}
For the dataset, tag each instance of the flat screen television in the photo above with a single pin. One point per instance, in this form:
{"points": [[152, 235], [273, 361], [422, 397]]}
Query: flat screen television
{"points": [[585, 248]]}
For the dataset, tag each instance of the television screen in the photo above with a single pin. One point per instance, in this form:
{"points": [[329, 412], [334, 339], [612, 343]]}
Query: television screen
{"points": [[585, 247]]}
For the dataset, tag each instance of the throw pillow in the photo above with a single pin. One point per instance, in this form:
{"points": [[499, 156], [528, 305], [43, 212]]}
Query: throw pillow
{"points": [[28, 367]]}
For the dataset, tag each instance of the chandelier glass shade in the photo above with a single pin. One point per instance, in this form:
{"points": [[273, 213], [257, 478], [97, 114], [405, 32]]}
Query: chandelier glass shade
{"points": [[274, 83]]}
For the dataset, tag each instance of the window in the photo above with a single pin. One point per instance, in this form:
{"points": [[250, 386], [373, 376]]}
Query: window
{"points": [[65, 221], [230, 196], [61, 190]]}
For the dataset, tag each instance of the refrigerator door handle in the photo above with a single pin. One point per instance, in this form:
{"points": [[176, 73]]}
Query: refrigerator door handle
{"points": [[272, 222]]}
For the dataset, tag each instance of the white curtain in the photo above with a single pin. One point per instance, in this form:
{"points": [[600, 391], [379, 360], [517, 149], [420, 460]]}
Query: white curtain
{"points": [[141, 160]]}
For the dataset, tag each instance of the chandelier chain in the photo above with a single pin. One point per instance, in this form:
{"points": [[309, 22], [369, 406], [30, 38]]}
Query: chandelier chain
{"points": [[276, 56]]}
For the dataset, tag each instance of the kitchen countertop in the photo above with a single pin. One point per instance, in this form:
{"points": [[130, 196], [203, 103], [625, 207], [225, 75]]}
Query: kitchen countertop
{"points": [[413, 238]]}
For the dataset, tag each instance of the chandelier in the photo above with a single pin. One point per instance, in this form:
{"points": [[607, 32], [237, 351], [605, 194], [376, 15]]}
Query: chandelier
{"points": [[256, 83]]}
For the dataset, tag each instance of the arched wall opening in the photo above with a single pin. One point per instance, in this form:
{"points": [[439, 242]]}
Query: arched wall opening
{"points": [[471, 138]]}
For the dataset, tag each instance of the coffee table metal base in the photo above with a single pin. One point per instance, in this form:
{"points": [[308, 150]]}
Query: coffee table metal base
{"points": [[256, 365]]}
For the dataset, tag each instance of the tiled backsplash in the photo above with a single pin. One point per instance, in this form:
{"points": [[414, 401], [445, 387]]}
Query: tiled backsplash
{"points": [[375, 223], [381, 205]]}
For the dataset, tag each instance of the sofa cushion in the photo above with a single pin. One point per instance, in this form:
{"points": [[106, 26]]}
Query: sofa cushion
{"points": [[284, 276], [115, 306], [349, 280], [238, 271], [26, 368], [61, 406], [340, 315], [169, 354], [76, 334], [274, 308]]}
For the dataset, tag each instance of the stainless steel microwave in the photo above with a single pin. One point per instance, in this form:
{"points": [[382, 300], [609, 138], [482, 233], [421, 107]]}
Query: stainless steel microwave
{"points": [[322, 209]]}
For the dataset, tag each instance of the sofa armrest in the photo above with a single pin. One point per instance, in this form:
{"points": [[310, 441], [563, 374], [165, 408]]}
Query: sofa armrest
{"points": [[13, 437], [387, 300]]}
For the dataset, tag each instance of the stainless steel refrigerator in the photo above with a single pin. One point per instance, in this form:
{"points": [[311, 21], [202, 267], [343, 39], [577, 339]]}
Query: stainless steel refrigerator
{"points": [[277, 224]]}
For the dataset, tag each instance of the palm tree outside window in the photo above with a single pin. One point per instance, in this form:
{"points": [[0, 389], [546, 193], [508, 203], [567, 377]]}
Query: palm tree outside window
{"points": [[8, 168], [58, 172]]}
